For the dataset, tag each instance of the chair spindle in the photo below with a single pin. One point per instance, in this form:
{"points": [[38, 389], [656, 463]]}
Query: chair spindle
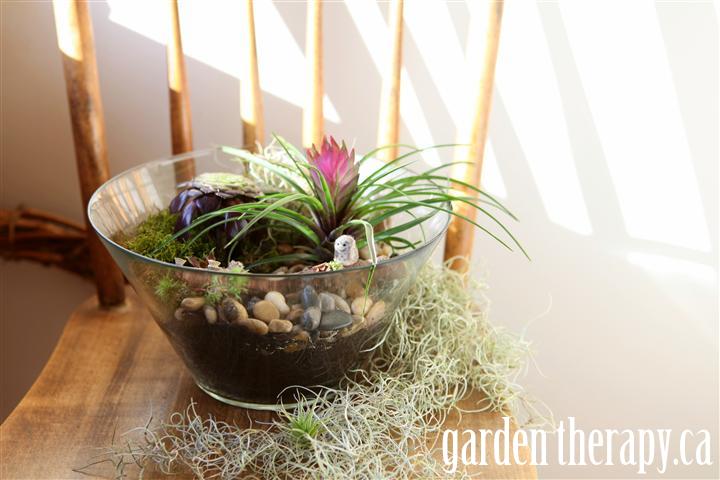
{"points": [[75, 40], [389, 122], [459, 241], [251, 111], [312, 127]]}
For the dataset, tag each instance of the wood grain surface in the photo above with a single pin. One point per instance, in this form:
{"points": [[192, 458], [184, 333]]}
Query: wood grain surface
{"points": [[112, 370]]}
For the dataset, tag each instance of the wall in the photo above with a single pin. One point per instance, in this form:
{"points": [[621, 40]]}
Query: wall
{"points": [[603, 140]]}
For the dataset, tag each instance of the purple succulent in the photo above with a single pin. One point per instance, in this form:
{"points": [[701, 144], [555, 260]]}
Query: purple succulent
{"points": [[210, 192]]}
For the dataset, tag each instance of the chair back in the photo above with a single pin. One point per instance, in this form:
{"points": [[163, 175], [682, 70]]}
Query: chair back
{"points": [[75, 40]]}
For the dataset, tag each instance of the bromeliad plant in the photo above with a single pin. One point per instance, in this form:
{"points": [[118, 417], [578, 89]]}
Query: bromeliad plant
{"points": [[323, 197]]}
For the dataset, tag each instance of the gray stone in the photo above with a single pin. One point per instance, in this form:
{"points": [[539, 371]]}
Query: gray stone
{"points": [[311, 318], [309, 297], [335, 320], [327, 302]]}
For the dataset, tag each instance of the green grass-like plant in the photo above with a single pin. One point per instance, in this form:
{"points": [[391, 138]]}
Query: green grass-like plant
{"points": [[325, 198]]}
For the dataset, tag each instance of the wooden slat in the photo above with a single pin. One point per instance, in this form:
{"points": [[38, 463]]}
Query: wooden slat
{"points": [[250, 93], [389, 122], [312, 128], [460, 235], [113, 370], [75, 40], [180, 117]]}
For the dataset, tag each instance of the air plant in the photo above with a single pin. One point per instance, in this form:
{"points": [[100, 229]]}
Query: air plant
{"points": [[325, 198]]}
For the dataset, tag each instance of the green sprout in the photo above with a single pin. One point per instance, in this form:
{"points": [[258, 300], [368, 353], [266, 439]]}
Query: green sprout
{"points": [[304, 425]]}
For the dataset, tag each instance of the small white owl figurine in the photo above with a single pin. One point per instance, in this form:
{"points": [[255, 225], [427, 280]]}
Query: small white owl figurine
{"points": [[346, 251]]}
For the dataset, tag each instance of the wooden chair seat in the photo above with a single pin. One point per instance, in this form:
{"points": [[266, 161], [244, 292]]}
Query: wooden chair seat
{"points": [[112, 370]]}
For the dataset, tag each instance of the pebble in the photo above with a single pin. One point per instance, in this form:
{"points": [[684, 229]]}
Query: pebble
{"points": [[254, 325], [279, 326], [210, 314], [361, 305], [179, 314], [311, 318], [277, 299], [231, 310], [280, 271], [299, 267], [265, 310], [296, 312], [354, 289], [251, 303], [327, 302], [376, 312], [309, 298], [340, 303], [192, 303], [335, 320]]}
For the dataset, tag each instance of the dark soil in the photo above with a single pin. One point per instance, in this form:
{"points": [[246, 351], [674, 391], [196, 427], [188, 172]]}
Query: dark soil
{"points": [[237, 364]]}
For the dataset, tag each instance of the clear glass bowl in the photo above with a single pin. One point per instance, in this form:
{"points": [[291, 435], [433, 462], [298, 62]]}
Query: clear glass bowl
{"points": [[240, 361]]}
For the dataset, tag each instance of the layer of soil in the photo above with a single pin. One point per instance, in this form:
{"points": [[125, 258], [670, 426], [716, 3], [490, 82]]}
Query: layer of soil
{"points": [[237, 364]]}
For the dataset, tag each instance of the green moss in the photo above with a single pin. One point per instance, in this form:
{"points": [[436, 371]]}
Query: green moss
{"points": [[169, 289], [154, 238]]}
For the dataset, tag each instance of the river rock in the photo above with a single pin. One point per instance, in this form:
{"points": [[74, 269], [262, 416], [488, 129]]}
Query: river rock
{"points": [[376, 312], [354, 289], [361, 305], [231, 310], [251, 303], [340, 303], [265, 310], [277, 299], [311, 318], [254, 325], [296, 312], [210, 314], [192, 303], [335, 320], [309, 297], [280, 326], [327, 302]]}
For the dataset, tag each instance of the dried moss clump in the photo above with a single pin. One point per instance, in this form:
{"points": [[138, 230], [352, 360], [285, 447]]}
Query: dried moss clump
{"points": [[440, 347], [154, 238]]}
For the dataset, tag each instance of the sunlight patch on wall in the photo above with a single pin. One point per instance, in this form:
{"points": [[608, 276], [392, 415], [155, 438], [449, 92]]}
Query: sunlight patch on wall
{"points": [[210, 35], [528, 87], [631, 95], [375, 34]]}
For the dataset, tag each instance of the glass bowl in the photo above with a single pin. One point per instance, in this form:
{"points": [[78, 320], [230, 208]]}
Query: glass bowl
{"points": [[328, 322]]}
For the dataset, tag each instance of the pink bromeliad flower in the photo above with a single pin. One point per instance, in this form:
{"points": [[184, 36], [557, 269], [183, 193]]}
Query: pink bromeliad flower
{"points": [[338, 169]]}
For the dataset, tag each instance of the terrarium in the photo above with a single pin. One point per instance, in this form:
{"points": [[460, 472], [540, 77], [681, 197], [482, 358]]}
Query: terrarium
{"points": [[276, 271]]}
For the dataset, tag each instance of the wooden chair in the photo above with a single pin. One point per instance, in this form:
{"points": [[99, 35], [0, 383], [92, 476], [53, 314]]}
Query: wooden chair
{"points": [[112, 366]]}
